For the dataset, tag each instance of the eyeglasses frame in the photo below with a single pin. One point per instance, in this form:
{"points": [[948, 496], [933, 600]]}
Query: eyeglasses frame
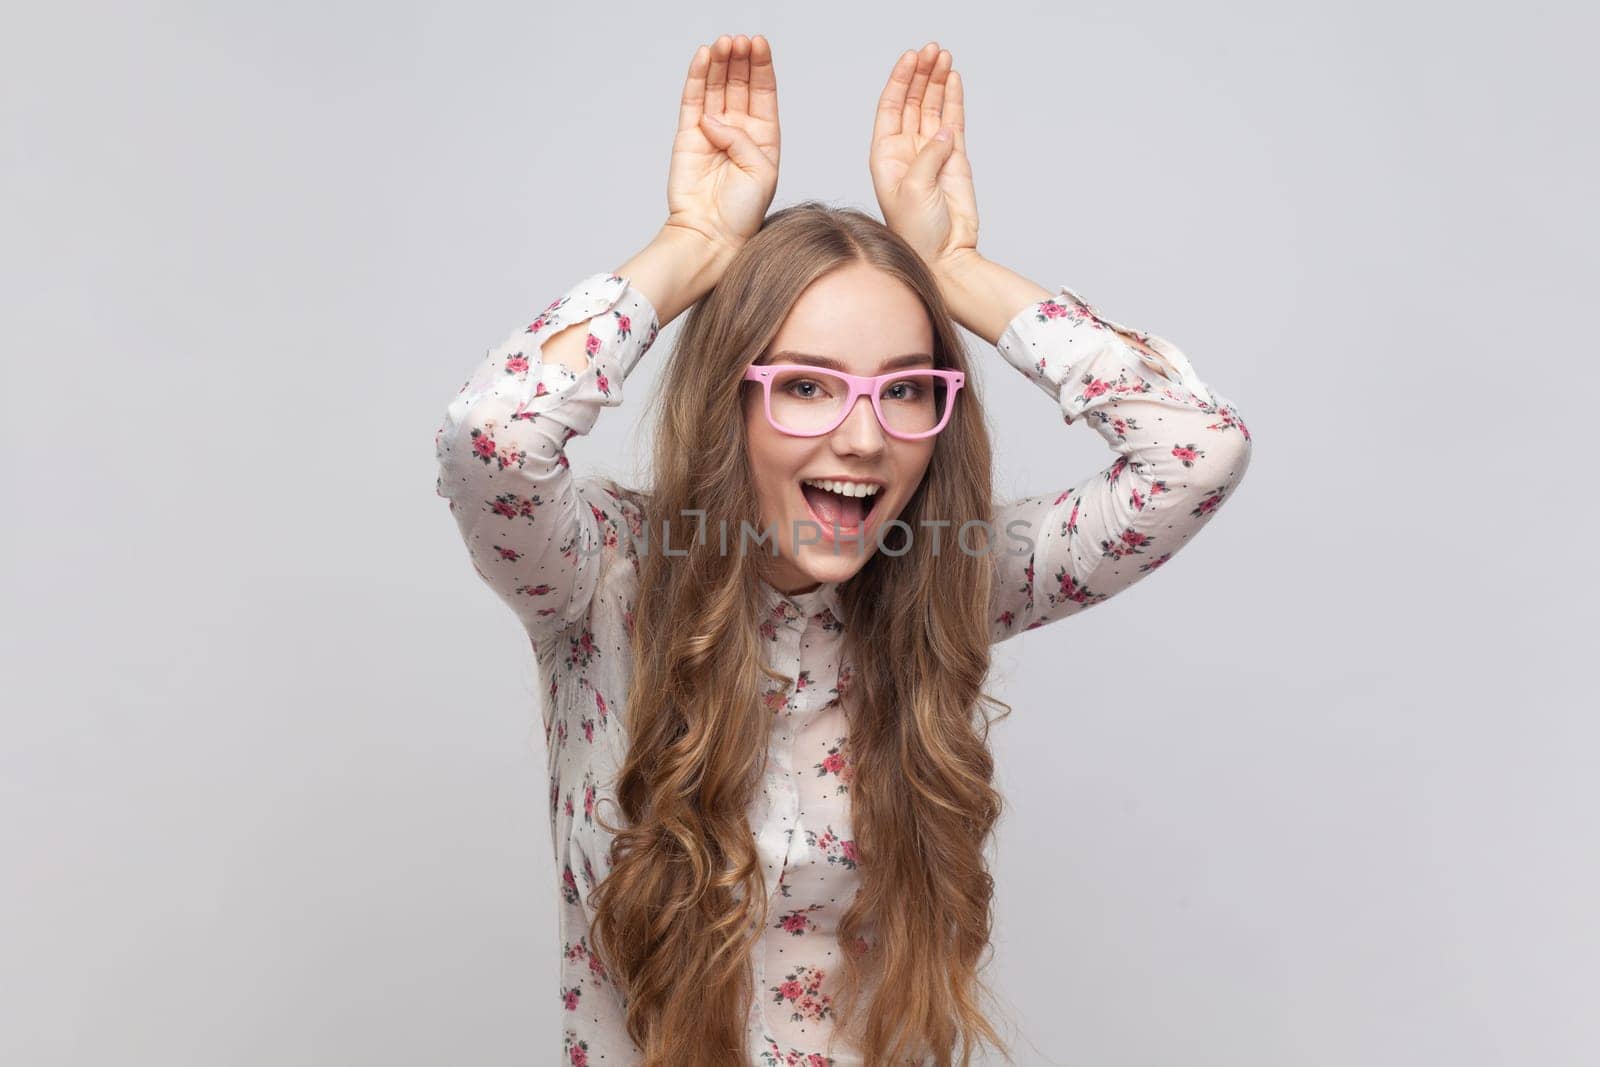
{"points": [[859, 386]]}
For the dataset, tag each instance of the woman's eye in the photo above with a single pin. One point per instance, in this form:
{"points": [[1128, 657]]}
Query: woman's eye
{"points": [[910, 390]]}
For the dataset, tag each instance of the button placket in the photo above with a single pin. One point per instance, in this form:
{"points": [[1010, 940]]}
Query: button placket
{"points": [[782, 795]]}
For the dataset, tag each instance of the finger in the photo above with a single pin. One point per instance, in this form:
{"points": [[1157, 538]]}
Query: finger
{"points": [[955, 110], [911, 116], [924, 170], [693, 103], [737, 99], [744, 152], [892, 101], [763, 80], [717, 77], [933, 97]]}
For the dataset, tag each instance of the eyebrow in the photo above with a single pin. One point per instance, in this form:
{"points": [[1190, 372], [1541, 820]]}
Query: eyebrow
{"points": [[895, 363]]}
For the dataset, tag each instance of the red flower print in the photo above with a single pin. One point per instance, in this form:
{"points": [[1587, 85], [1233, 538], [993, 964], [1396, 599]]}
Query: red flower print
{"points": [[797, 922], [830, 845], [1158, 561], [1210, 502], [801, 989], [1128, 543], [1092, 387], [581, 649], [837, 763], [569, 885], [511, 506], [1069, 589], [847, 674]]}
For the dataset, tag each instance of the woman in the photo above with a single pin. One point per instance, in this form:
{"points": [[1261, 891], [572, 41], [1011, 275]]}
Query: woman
{"points": [[785, 728]]}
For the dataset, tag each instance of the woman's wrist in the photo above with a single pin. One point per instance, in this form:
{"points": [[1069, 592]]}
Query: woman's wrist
{"points": [[677, 268], [982, 295]]}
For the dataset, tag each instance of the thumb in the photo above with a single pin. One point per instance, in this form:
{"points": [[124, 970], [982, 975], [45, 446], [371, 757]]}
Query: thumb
{"points": [[734, 141], [924, 170]]}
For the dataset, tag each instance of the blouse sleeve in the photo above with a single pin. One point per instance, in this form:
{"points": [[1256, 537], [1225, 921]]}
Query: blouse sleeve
{"points": [[1181, 449], [530, 532]]}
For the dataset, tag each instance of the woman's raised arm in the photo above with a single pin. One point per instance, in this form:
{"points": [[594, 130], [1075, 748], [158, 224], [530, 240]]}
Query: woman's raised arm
{"points": [[1181, 448], [535, 534]]}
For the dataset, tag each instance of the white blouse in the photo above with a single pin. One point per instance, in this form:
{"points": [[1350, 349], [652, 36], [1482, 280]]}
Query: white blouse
{"points": [[561, 551]]}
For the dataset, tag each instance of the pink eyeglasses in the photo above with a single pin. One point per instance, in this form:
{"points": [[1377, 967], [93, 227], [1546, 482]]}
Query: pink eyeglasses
{"points": [[806, 401]]}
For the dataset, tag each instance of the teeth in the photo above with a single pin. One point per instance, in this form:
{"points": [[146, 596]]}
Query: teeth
{"points": [[844, 488]]}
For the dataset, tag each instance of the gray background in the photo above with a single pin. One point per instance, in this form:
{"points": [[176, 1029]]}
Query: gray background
{"points": [[1321, 793]]}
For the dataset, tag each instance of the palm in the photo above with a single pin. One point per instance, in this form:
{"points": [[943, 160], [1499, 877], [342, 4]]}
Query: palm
{"points": [[708, 188], [920, 98]]}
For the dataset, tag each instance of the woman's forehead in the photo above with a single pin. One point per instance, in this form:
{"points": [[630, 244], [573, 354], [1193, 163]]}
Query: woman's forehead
{"points": [[857, 315]]}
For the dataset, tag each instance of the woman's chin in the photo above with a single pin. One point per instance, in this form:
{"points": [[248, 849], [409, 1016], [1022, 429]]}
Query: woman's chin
{"points": [[825, 564]]}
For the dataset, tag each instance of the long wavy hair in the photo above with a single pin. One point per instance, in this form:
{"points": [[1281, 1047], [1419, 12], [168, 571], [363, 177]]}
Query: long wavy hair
{"points": [[684, 905]]}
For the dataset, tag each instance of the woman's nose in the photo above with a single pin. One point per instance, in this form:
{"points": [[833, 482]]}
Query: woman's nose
{"points": [[860, 429]]}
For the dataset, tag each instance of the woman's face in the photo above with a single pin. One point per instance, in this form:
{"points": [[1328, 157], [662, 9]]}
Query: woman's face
{"points": [[864, 318]]}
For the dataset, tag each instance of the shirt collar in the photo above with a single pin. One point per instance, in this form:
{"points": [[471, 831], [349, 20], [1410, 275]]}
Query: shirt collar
{"points": [[798, 607]]}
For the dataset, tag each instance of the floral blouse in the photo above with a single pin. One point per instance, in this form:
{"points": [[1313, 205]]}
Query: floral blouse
{"points": [[560, 550]]}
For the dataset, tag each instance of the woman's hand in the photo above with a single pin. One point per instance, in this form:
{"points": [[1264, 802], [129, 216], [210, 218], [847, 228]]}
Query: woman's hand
{"points": [[924, 184], [724, 168]]}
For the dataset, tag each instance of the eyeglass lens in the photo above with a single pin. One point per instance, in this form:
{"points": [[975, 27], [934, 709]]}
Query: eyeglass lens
{"points": [[813, 399]]}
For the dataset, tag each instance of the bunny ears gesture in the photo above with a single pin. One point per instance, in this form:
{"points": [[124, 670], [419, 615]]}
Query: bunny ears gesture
{"points": [[724, 167], [918, 157]]}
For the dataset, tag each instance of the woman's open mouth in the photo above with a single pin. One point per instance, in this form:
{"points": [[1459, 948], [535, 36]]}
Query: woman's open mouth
{"points": [[847, 505]]}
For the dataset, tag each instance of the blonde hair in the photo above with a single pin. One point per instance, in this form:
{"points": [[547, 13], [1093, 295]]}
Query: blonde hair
{"points": [[683, 905]]}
